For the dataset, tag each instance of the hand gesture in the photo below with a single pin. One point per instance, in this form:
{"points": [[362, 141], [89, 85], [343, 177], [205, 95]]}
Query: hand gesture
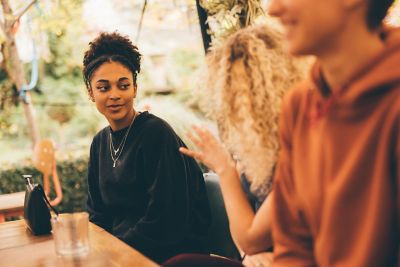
{"points": [[210, 151]]}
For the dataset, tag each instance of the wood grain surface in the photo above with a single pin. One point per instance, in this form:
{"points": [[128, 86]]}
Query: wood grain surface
{"points": [[18, 247]]}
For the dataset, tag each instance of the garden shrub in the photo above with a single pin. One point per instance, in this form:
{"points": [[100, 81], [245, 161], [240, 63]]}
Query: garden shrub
{"points": [[72, 175]]}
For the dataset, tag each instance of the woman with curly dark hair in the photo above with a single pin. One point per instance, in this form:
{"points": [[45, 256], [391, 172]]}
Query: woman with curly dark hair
{"points": [[141, 189]]}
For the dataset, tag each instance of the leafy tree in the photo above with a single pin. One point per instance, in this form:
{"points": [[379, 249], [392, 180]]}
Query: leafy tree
{"points": [[56, 28], [11, 63]]}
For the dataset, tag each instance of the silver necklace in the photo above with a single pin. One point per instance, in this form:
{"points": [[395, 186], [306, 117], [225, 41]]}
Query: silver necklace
{"points": [[121, 145]]}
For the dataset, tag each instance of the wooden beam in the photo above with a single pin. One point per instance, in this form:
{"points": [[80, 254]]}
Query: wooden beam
{"points": [[203, 26]]}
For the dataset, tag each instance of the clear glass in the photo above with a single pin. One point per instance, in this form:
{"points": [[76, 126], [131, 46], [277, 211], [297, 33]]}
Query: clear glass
{"points": [[70, 232]]}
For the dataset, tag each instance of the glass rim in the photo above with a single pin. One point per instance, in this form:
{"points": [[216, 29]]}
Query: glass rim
{"points": [[70, 215]]}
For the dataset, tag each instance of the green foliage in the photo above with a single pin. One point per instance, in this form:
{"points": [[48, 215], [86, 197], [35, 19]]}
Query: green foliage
{"points": [[65, 107], [64, 29], [186, 60], [65, 60], [57, 30], [62, 114], [85, 124], [72, 175], [73, 179], [183, 65], [8, 100], [59, 15]]}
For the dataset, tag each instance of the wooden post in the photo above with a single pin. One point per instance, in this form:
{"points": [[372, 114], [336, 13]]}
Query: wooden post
{"points": [[14, 69], [203, 26]]}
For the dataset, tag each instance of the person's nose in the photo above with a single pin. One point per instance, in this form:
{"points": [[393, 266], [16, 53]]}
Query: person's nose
{"points": [[114, 93], [274, 8]]}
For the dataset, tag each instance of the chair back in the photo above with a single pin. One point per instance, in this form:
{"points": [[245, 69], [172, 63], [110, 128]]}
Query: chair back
{"points": [[43, 156], [45, 161], [219, 237]]}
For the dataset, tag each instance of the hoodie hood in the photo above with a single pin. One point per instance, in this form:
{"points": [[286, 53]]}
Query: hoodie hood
{"points": [[383, 72]]}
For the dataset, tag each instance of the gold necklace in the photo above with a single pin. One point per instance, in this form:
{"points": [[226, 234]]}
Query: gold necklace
{"points": [[121, 145]]}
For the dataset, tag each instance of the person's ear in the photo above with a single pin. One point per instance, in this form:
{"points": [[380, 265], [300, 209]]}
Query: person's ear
{"points": [[90, 93], [134, 90]]}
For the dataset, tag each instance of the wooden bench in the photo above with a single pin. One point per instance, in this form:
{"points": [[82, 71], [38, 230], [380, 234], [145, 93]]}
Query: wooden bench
{"points": [[11, 205]]}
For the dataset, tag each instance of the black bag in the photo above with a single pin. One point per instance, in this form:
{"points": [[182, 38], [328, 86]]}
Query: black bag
{"points": [[36, 208]]}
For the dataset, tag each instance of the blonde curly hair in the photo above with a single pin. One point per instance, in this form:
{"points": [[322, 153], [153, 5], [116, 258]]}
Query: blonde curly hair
{"points": [[245, 80]]}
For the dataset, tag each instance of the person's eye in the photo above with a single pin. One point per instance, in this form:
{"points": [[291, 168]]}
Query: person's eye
{"points": [[125, 86], [102, 88]]}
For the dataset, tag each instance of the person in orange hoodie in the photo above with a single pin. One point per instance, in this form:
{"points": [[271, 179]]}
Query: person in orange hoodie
{"points": [[337, 183]]}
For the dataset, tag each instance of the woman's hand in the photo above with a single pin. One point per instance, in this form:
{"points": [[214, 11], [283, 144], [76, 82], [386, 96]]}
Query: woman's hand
{"points": [[253, 233], [210, 151], [263, 259]]}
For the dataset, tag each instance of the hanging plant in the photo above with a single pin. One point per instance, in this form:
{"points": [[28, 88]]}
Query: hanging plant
{"points": [[227, 16]]}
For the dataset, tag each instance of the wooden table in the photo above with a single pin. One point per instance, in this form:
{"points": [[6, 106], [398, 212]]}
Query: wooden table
{"points": [[11, 205], [18, 247]]}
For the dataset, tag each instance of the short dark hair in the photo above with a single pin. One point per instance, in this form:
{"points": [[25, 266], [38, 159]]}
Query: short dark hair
{"points": [[377, 10], [109, 47]]}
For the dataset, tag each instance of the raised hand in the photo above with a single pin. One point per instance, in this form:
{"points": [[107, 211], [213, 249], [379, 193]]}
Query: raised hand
{"points": [[210, 151]]}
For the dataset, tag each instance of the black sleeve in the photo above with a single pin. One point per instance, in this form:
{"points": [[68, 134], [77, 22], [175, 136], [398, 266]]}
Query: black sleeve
{"points": [[95, 206], [169, 177]]}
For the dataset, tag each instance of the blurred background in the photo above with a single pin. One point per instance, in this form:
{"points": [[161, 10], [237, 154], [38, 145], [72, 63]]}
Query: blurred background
{"points": [[56, 33]]}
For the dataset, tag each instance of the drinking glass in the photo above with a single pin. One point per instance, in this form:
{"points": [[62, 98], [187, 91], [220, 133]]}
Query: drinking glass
{"points": [[70, 232]]}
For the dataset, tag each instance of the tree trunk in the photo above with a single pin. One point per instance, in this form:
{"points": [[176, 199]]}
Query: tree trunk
{"points": [[15, 71]]}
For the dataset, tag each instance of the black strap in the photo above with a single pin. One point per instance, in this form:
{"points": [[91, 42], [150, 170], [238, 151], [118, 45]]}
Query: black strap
{"points": [[47, 201]]}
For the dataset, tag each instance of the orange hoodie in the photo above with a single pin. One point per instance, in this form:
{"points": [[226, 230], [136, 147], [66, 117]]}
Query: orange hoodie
{"points": [[337, 183]]}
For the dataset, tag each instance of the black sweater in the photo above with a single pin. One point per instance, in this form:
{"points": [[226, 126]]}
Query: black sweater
{"points": [[154, 199]]}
